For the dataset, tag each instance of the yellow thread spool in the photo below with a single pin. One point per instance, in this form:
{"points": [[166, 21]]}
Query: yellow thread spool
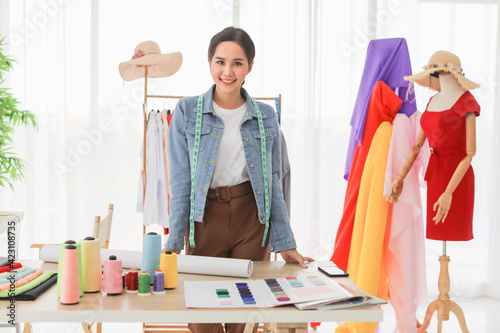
{"points": [[168, 264]]}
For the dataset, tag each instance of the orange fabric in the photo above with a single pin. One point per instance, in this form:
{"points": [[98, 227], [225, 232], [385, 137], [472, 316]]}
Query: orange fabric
{"points": [[383, 106]]}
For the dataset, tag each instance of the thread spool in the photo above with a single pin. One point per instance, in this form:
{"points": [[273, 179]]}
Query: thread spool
{"points": [[132, 281], [112, 283], [60, 265], [151, 250], [168, 264], [159, 283], [144, 287], [70, 283], [91, 265]]}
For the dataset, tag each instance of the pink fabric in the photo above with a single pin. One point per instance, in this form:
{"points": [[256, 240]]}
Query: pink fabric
{"points": [[166, 125], [22, 281], [406, 252]]}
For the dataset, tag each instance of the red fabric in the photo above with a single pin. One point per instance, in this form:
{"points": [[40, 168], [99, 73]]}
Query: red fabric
{"points": [[383, 106], [446, 133], [169, 119], [9, 268]]}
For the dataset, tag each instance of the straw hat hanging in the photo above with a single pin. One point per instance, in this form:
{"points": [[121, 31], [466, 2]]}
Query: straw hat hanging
{"points": [[149, 54]]}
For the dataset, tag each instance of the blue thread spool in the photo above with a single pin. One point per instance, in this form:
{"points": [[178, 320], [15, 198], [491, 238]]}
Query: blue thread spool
{"points": [[159, 283], [151, 250]]}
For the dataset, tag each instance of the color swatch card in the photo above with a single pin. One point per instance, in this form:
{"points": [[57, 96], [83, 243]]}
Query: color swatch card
{"points": [[261, 293]]}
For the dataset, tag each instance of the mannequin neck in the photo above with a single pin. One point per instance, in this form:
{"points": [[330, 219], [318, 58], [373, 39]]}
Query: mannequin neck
{"points": [[449, 85], [449, 94]]}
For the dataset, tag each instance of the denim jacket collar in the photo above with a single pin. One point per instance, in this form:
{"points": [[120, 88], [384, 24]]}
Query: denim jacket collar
{"points": [[208, 100]]}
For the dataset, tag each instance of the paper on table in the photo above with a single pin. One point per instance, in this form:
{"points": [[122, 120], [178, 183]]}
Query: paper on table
{"points": [[185, 263]]}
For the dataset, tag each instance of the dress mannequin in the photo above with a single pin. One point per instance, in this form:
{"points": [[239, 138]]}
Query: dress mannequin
{"points": [[450, 113]]}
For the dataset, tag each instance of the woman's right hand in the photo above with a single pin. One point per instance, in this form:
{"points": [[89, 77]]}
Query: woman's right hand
{"points": [[396, 190], [171, 250]]}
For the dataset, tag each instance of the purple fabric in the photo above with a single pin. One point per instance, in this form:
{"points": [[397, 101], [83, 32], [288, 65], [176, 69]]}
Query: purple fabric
{"points": [[387, 60]]}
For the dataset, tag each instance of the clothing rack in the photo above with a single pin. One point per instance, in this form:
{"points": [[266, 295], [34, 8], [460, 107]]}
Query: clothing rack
{"points": [[144, 106]]}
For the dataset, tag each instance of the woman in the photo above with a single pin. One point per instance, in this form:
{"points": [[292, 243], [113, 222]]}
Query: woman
{"points": [[225, 166]]}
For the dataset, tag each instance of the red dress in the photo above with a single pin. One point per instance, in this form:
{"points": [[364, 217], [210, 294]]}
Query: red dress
{"points": [[445, 131]]}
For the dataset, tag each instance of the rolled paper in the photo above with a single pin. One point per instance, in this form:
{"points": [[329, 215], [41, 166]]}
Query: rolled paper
{"points": [[168, 264], [91, 265], [70, 285], [151, 250], [133, 281], [159, 283], [144, 287], [60, 266], [185, 263], [112, 282]]}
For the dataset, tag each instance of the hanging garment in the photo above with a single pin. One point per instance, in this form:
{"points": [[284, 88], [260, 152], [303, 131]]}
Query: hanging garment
{"points": [[366, 265], [156, 198], [166, 117], [446, 134], [384, 105], [405, 256], [285, 173], [387, 60]]}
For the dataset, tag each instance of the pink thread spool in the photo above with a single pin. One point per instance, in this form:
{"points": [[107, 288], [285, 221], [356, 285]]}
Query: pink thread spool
{"points": [[112, 283], [70, 282]]}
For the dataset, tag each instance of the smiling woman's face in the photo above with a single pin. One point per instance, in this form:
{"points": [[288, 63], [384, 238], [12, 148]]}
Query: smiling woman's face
{"points": [[229, 67]]}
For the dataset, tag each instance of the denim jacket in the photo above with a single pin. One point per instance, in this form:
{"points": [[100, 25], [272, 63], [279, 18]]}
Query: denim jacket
{"points": [[180, 153]]}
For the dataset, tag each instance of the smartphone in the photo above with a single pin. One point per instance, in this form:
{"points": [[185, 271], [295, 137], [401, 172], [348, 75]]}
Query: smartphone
{"points": [[333, 271]]}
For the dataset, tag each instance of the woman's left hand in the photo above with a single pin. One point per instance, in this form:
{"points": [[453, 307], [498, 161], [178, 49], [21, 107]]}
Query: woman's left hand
{"points": [[293, 255], [443, 207]]}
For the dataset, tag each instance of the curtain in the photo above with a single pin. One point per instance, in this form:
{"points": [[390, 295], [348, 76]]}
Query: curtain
{"points": [[85, 153]]}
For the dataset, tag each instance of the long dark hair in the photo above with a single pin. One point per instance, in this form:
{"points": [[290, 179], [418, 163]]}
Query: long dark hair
{"points": [[232, 34]]}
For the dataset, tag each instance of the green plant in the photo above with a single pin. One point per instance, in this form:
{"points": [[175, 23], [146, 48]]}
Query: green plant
{"points": [[12, 168]]}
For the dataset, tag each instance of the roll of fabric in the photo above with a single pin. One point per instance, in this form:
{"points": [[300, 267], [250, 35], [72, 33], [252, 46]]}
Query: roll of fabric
{"points": [[168, 265], [91, 265], [70, 285], [185, 263], [112, 282], [151, 250], [60, 266]]}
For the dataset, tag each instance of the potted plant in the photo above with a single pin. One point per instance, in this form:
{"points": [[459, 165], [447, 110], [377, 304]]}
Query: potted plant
{"points": [[12, 168]]}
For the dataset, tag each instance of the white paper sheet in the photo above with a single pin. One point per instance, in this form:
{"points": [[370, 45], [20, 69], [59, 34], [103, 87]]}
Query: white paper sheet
{"points": [[185, 263]]}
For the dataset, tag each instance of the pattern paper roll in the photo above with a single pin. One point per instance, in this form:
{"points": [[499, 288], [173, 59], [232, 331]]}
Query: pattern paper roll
{"points": [[91, 265], [60, 266], [112, 281], [70, 286], [151, 250], [168, 264]]}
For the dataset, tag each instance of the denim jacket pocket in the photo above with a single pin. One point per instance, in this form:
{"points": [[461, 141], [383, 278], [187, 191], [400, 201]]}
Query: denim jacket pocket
{"points": [[270, 135], [190, 128]]}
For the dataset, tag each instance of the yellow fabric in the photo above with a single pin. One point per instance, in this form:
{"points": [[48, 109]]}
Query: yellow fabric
{"points": [[366, 265]]}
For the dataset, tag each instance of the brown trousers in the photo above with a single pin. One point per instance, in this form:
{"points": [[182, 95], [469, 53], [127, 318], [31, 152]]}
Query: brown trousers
{"points": [[230, 229]]}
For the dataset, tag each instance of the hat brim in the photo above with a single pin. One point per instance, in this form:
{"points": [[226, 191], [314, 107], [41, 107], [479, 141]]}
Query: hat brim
{"points": [[426, 80], [159, 65]]}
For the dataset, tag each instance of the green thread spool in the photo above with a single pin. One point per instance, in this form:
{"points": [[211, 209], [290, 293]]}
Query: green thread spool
{"points": [[144, 288]]}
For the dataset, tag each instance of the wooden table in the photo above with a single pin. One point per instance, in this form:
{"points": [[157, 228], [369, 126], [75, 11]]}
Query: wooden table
{"points": [[170, 308]]}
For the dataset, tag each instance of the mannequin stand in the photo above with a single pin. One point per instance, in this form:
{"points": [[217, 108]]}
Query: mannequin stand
{"points": [[443, 304]]}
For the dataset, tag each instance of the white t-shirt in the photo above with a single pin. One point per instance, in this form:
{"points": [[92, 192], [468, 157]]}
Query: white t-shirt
{"points": [[230, 164]]}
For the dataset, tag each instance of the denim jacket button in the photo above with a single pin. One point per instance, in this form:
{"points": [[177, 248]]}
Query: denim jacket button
{"points": [[258, 191], [271, 248], [251, 165], [245, 138]]}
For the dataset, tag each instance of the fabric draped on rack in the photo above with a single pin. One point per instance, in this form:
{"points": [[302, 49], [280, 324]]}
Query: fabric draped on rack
{"points": [[382, 107], [405, 256], [387, 60], [156, 198], [366, 264]]}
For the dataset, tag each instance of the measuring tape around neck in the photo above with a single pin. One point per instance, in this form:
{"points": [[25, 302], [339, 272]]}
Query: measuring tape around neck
{"points": [[196, 150]]}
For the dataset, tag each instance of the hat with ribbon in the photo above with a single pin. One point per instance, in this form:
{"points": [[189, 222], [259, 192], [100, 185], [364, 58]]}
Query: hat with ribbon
{"points": [[442, 61], [148, 54]]}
